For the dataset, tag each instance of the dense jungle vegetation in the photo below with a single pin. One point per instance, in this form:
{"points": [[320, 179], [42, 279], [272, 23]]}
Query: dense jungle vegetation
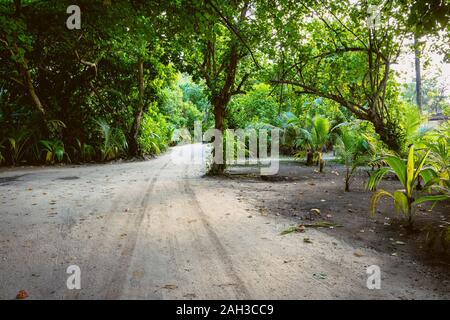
{"points": [[323, 71]]}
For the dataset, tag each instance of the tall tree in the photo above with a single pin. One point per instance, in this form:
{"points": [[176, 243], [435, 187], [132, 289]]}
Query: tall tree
{"points": [[425, 18], [219, 49], [343, 51]]}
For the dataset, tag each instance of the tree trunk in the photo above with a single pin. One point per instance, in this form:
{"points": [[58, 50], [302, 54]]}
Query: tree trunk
{"points": [[347, 180], [410, 213], [387, 133], [309, 158], [133, 143], [219, 121], [417, 54], [29, 85], [321, 163], [18, 6]]}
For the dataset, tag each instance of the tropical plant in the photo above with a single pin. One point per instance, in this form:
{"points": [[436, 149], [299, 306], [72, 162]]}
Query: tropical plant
{"points": [[155, 134], [86, 151], [17, 144], [2, 157], [440, 236], [314, 137], [289, 124], [415, 128], [54, 150], [114, 141], [439, 145], [353, 150], [408, 173], [255, 106]]}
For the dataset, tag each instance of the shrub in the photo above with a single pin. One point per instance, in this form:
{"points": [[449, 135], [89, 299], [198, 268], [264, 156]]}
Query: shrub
{"points": [[2, 157], [353, 150], [114, 141], [17, 144], [408, 173], [155, 133], [85, 151], [54, 149]]}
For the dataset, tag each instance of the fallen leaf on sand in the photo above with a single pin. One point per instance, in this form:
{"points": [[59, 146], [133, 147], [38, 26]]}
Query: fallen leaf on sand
{"points": [[320, 275], [170, 286], [22, 295], [299, 228], [323, 224]]}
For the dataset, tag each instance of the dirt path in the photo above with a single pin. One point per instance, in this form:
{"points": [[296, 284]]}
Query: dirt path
{"points": [[159, 230]]}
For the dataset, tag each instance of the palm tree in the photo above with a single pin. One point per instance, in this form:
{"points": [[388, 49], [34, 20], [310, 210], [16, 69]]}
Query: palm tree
{"points": [[408, 173], [354, 150], [439, 145], [314, 137], [114, 141]]}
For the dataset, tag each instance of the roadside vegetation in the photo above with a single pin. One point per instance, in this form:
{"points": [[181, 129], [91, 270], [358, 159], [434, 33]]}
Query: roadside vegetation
{"points": [[136, 71]]}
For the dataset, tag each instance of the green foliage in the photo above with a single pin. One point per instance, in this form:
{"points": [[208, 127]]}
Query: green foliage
{"points": [[54, 150], [408, 172], [334, 65], [256, 106], [184, 102], [312, 138], [316, 134], [2, 147], [114, 141], [195, 93], [155, 134], [439, 144], [17, 143], [353, 150], [85, 151], [414, 126]]}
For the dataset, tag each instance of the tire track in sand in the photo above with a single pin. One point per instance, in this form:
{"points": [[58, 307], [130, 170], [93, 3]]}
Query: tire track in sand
{"points": [[238, 285], [119, 277]]}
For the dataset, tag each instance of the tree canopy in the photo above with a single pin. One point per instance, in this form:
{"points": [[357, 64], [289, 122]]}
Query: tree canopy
{"points": [[135, 66]]}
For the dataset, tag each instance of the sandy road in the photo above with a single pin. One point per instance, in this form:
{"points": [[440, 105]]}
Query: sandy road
{"points": [[159, 230]]}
